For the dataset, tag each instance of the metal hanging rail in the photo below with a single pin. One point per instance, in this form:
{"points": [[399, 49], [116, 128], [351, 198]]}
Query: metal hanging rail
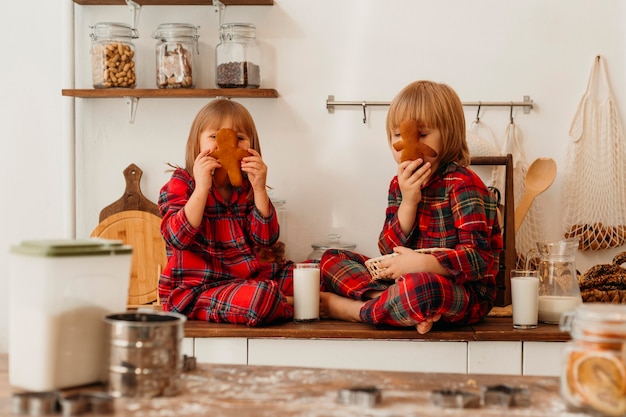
{"points": [[527, 105]]}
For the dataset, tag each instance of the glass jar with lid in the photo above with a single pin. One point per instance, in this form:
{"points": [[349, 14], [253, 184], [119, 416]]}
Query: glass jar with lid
{"points": [[113, 55], [333, 242], [237, 57], [175, 49], [593, 374]]}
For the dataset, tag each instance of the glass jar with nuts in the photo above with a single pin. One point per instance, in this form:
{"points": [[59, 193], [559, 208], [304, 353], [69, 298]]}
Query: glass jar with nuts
{"points": [[175, 64], [113, 55], [237, 57]]}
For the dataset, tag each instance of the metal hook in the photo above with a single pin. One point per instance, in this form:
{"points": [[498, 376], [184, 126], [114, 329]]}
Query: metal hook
{"points": [[511, 113], [478, 112], [364, 105]]}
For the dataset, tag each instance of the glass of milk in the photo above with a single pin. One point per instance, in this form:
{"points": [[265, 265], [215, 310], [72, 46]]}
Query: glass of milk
{"points": [[306, 292], [525, 298]]}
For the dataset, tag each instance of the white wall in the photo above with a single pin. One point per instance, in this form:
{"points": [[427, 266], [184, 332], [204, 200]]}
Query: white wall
{"points": [[332, 169]]}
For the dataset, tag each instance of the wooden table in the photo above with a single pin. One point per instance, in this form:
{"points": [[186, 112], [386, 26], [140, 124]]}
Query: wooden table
{"points": [[242, 391]]}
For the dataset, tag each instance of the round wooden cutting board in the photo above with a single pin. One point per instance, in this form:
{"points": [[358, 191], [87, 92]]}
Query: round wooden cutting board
{"points": [[142, 231]]}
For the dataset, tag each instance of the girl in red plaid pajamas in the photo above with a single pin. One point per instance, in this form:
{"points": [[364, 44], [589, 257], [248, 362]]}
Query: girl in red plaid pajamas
{"points": [[213, 233], [442, 204]]}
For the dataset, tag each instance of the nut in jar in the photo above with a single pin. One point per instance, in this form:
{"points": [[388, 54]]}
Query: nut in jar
{"points": [[593, 377], [113, 55]]}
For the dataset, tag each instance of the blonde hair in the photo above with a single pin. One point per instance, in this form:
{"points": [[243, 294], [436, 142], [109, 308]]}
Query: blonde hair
{"points": [[436, 106], [212, 116]]}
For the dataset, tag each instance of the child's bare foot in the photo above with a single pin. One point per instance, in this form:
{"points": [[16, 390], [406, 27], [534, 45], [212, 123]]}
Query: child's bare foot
{"points": [[425, 326], [340, 308]]}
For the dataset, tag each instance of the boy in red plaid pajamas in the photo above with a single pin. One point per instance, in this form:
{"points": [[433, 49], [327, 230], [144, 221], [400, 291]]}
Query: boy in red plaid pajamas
{"points": [[213, 233], [440, 204]]}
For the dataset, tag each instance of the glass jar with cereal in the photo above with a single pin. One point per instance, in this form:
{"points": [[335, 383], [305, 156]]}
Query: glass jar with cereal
{"points": [[113, 55]]}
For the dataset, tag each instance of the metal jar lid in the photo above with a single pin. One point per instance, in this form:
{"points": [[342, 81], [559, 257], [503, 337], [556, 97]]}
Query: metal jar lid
{"points": [[596, 322], [333, 242]]}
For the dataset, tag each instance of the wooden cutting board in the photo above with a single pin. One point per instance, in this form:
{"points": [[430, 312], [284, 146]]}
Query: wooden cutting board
{"points": [[134, 220], [133, 198]]}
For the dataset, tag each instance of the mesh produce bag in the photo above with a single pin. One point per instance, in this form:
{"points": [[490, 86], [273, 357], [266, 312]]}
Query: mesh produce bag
{"points": [[594, 193], [530, 230]]}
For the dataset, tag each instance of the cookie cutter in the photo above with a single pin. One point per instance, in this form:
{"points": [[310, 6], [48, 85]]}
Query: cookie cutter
{"points": [[504, 395], [189, 363], [364, 396], [34, 404], [452, 398]]}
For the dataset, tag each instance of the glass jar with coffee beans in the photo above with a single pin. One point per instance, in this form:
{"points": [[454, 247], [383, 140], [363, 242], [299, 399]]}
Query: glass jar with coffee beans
{"points": [[113, 55], [238, 57], [177, 43]]}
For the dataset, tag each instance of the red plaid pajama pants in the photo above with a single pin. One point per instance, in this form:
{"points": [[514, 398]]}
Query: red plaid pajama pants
{"points": [[250, 302], [408, 301]]}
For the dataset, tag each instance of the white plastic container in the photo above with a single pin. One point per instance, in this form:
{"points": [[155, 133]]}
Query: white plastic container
{"points": [[59, 292]]}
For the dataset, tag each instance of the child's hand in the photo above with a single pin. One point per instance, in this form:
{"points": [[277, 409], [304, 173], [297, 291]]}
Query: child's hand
{"points": [[203, 169], [407, 261], [256, 169], [411, 179]]}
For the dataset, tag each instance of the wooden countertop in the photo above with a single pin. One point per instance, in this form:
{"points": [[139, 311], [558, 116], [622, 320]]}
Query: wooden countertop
{"points": [[491, 329], [250, 391]]}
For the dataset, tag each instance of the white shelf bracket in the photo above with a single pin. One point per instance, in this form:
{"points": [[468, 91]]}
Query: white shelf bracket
{"points": [[132, 102], [135, 9], [219, 8]]}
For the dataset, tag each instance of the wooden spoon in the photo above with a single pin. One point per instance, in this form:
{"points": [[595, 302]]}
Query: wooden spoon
{"points": [[540, 176]]}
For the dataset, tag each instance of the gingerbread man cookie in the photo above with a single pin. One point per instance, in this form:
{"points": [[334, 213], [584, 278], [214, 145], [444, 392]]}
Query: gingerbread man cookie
{"points": [[229, 156], [410, 144]]}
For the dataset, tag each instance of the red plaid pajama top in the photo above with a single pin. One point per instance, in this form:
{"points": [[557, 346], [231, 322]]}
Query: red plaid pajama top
{"points": [[213, 272], [458, 212]]}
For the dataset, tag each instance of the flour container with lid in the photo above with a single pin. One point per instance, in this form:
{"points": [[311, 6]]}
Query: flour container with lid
{"points": [[59, 290]]}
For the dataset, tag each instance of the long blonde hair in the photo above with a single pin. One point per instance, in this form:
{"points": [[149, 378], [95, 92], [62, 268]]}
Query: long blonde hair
{"points": [[211, 116], [435, 106]]}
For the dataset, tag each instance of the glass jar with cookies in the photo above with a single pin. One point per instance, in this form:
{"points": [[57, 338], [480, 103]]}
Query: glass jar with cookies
{"points": [[593, 377], [177, 43]]}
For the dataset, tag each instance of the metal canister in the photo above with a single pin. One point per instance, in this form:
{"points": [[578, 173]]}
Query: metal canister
{"points": [[145, 357]]}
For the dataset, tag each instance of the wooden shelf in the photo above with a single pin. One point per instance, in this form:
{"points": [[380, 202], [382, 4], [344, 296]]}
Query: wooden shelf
{"points": [[175, 2], [171, 93]]}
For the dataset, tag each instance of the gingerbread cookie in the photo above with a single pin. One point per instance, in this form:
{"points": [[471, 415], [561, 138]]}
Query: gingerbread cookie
{"points": [[229, 156], [410, 144]]}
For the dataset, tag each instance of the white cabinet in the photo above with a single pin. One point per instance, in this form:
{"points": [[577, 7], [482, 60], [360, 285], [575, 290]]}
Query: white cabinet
{"points": [[494, 358], [221, 350], [475, 357], [389, 355], [542, 358]]}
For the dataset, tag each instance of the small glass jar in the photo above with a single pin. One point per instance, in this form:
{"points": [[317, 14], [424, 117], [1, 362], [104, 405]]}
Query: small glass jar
{"points": [[237, 57], [593, 377], [333, 242], [113, 55], [175, 64]]}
